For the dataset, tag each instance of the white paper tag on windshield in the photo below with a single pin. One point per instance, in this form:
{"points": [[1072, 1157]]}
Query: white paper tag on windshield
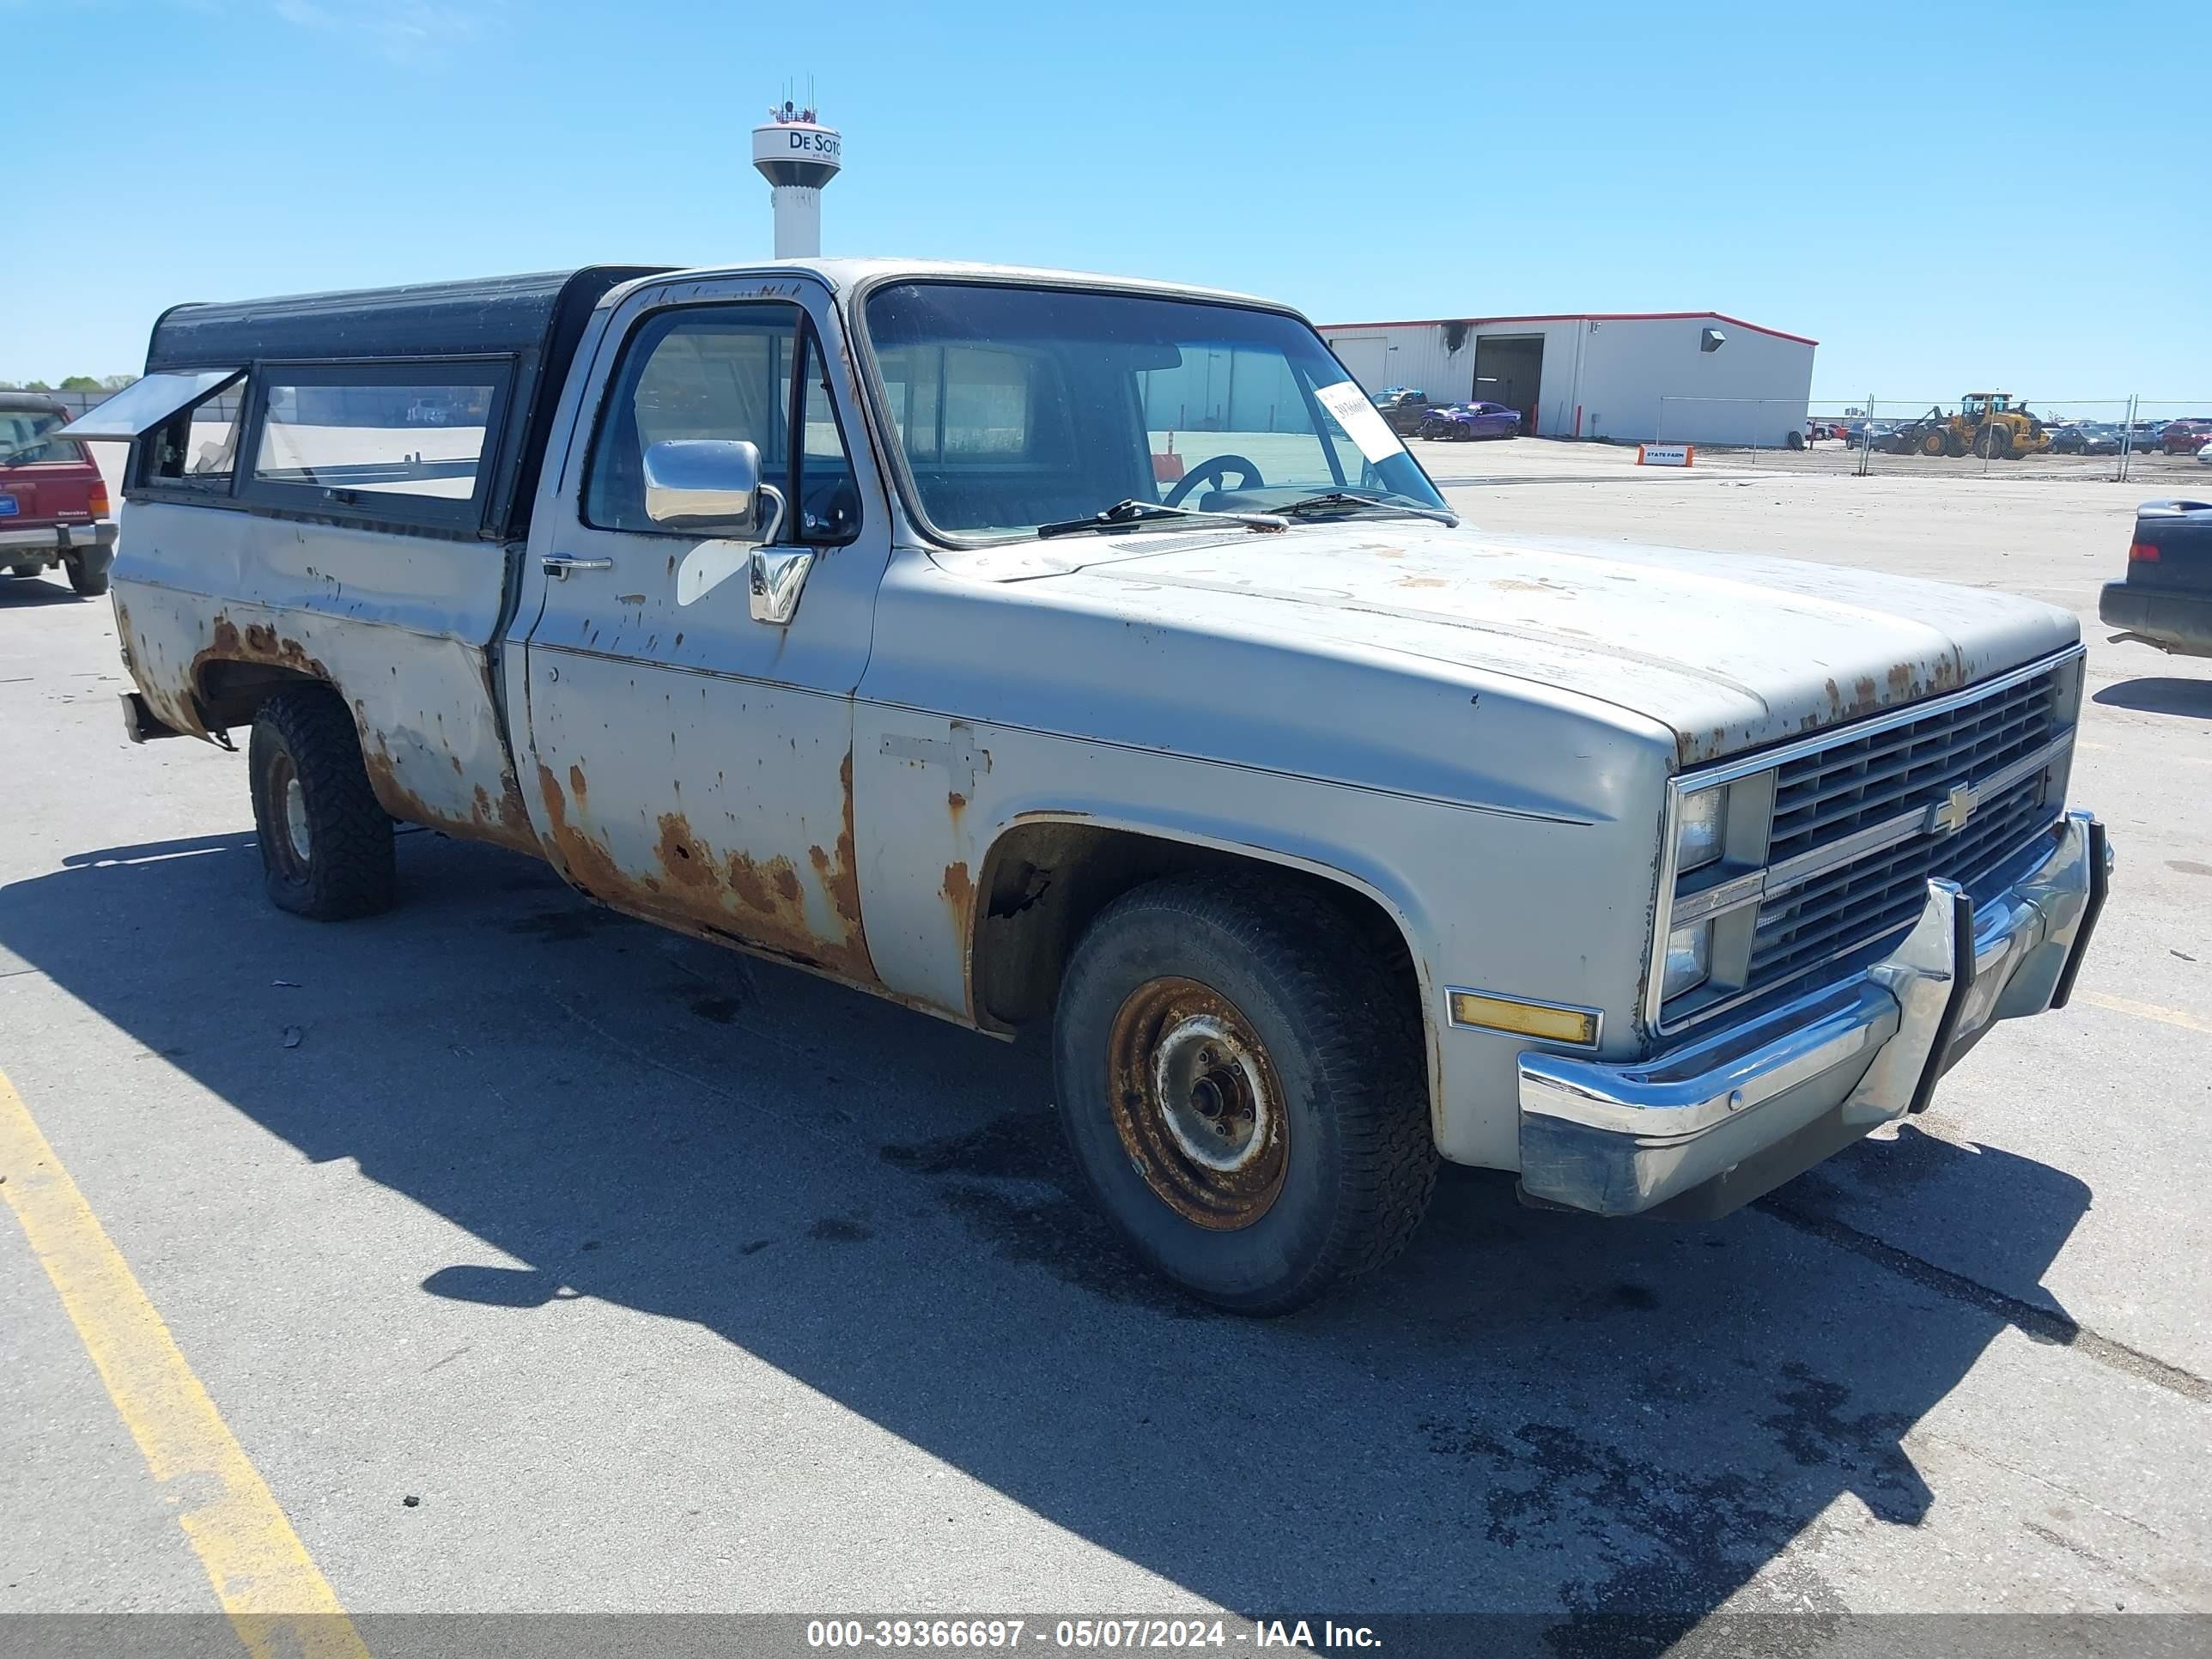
{"points": [[1361, 420]]}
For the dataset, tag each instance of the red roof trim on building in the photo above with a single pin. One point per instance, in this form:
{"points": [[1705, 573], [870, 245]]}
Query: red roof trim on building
{"points": [[1583, 317]]}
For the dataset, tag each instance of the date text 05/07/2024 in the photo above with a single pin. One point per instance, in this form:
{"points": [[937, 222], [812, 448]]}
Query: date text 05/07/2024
{"points": [[1003, 1635]]}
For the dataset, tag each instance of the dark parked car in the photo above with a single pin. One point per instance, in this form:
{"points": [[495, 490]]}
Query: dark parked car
{"points": [[53, 501], [1463, 423], [2085, 438], [2165, 599], [1403, 407]]}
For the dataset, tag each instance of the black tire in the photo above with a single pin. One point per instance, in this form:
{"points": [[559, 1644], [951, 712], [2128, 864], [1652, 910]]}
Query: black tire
{"points": [[1993, 443], [88, 584], [341, 866], [1311, 1024]]}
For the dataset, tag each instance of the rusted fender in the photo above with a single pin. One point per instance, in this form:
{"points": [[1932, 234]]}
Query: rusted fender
{"points": [[431, 740]]}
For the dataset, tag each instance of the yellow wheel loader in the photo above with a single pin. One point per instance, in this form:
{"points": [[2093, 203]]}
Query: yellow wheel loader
{"points": [[1992, 425]]}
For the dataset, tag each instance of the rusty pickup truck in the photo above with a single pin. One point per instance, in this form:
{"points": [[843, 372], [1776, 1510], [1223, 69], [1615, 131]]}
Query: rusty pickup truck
{"points": [[1028, 647]]}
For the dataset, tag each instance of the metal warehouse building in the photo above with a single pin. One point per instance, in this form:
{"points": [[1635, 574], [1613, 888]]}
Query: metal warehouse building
{"points": [[1682, 376]]}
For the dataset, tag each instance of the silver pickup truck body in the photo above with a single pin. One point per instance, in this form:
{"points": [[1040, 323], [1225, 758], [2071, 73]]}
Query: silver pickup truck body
{"points": [[956, 749]]}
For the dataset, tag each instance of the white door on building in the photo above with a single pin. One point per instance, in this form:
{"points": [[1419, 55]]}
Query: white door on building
{"points": [[1369, 360]]}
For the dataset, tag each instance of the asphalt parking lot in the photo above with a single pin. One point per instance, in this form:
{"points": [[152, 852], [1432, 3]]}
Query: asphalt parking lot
{"points": [[539, 1261]]}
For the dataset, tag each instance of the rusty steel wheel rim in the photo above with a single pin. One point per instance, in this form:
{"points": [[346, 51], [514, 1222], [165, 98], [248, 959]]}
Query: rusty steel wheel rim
{"points": [[1197, 1103]]}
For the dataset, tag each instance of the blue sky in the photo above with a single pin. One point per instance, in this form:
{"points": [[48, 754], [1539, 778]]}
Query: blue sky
{"points": [[1944, 195]]}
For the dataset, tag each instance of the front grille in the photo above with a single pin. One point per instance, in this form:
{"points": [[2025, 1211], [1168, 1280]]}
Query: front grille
{"points": [[1860, 782], [1882, 893], [1820, 798]]}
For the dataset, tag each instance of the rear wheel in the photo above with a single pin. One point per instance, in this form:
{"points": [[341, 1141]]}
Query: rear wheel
{"points": [[325, 844], [89, 583], [1932, 442], [1241, 1078]]}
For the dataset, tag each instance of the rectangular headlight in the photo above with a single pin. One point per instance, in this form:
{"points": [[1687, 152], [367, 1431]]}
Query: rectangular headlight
{"points": [[1700, 825], [1689, 959]]}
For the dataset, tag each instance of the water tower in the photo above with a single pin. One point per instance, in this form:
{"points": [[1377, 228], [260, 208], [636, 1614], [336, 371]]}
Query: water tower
{"points": [[797, 155]]}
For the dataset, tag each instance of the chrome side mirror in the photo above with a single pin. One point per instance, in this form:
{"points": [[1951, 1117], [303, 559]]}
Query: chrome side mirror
{"points": [[710, 485]]}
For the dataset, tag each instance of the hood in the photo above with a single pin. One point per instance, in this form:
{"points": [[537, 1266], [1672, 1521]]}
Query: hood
{"points": [[1728, 651]]}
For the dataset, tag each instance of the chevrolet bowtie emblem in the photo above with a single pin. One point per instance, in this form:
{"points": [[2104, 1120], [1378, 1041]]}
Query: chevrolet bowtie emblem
{"points": [[1948, 815]]}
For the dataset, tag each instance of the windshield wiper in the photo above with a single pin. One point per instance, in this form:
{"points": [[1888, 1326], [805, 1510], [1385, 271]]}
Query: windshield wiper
{"points": [[1343, 501], [1122, 515]]}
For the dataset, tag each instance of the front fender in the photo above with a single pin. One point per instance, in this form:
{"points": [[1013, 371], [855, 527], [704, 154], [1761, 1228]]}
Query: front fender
{"points": [[1539, 906]]}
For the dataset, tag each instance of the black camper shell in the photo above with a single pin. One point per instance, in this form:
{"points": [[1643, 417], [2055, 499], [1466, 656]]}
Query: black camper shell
{"points": [[500, 346]]}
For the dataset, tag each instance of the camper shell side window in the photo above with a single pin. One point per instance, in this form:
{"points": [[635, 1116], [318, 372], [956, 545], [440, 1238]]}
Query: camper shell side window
{"points": [[413, 443]]}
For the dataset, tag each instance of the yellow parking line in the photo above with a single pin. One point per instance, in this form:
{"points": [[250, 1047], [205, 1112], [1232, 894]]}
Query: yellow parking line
{"points": [[2148, 1011], [278, 1601]]}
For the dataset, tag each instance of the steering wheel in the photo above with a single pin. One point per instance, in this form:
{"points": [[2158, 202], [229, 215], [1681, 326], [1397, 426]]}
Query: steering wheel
{"points": [[1210, 472]]}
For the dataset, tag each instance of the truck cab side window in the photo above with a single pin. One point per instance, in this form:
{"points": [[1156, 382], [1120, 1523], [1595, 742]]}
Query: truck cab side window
{"points": [[726, 371]]}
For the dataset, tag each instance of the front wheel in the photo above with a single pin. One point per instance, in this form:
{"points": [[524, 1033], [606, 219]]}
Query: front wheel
{"points": [[89, 582], [325, 844], [1241, 1078]]}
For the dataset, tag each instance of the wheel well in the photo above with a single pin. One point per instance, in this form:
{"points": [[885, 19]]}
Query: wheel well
{"points": [[229, 693], [1044, 880]]}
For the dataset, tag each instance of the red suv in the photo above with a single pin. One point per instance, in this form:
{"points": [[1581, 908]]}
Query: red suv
{"points": [[2185, 437], [53, 502]]}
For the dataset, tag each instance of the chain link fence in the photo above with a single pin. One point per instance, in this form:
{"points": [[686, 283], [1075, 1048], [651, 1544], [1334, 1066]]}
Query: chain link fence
{"points": [[2152, 442]]}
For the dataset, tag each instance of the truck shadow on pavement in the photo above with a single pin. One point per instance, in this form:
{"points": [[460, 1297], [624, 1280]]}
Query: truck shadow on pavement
{"points": [[2160, 694], [1617, 1427], [26, 592]]}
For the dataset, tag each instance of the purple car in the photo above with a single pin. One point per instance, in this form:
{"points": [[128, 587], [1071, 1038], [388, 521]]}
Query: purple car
{"points": [[1463, 423]]}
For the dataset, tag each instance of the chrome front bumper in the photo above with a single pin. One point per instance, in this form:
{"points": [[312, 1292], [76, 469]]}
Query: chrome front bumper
{"points": [[1709, 1126]]}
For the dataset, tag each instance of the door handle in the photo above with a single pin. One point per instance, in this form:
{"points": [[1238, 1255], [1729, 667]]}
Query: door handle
{"points": [[558, 565]]}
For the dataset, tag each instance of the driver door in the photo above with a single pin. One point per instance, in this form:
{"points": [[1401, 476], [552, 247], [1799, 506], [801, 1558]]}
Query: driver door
{"points": [[692, 764]]}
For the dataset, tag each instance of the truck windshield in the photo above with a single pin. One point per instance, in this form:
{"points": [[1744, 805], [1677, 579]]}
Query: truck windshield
{"points": [[1017, 407]]}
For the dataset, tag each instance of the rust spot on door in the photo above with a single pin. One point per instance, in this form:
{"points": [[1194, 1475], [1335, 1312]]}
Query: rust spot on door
{"points": [[840, 877], [733, 895], [585, 859], [682, 856]]}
